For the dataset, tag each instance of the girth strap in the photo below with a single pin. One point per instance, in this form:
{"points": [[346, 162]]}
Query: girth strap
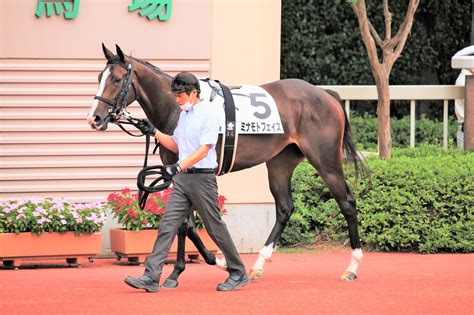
{"points": [[229, 139]]}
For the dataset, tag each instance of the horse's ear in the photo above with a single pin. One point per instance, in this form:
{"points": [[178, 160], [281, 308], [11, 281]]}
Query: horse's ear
{"points": [[107, 53], [120, 53]]}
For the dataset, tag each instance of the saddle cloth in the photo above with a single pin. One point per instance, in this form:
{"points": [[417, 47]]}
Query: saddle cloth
{"points": [[255, 108]]}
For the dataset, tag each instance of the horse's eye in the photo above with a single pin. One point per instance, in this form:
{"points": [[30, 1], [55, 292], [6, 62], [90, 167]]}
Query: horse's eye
{"points": [[117, 80]]}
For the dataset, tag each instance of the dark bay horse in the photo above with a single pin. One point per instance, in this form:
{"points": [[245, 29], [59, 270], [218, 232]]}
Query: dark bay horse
{"points": [[315, 124]]}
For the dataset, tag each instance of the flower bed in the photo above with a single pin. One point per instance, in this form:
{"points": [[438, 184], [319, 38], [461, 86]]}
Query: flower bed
{"points": [[32, 228], [125, 209], [50, 215], [135, 241]]}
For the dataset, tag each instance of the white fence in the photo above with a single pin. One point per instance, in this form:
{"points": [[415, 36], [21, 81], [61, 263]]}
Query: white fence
{"points": [[410, 93]]}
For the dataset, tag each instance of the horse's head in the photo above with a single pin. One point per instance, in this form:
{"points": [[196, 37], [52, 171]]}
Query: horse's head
{"points": [[116, 90]]}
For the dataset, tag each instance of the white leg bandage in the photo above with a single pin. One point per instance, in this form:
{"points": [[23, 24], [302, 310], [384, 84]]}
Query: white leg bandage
{"points": [[221, 263], [264, 254], [356, 257]]}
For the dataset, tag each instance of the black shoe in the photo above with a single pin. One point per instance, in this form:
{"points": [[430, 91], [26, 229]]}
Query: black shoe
{"points": [[143, 282], [233, 283]]}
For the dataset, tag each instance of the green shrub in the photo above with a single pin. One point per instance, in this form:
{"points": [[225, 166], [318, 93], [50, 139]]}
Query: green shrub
{"points": [[364, 131], [420, 200]]}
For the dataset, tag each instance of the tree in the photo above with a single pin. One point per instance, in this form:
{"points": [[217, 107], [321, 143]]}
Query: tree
{"points": [[381, 66]]}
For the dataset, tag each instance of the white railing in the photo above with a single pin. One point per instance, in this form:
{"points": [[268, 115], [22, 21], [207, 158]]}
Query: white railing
{"points": [[410, 93]]}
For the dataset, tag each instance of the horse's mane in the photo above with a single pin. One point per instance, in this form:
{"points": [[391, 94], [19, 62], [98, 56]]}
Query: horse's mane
{"points": [[117, 61], [148, 64]]}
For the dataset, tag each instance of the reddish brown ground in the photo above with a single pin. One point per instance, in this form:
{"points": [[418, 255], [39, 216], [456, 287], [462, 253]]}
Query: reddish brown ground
{"points": [[306, 283]]}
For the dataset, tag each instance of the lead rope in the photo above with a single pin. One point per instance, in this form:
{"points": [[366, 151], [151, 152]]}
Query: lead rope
{"points": [[154, 186], [143, 190]]}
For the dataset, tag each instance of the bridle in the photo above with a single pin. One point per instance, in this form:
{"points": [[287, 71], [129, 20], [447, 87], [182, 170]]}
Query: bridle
{"points": [[119, 106]]}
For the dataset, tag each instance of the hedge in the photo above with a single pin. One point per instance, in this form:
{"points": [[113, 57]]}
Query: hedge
{"points": [[420, 200], [427, 131]]}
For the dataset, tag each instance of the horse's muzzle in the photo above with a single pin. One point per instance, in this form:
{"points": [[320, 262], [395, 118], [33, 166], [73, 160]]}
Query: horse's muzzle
{"points": [[97, 123]]}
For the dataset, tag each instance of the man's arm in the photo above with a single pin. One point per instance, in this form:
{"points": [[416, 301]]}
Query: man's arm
{"points": [[167, 141]]}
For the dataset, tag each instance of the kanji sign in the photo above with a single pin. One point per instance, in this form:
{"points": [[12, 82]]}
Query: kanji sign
{"points": [[69, 8], [153, 9]]}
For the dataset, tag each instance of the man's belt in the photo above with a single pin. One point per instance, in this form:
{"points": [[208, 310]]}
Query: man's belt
{"points": [[196, 170]]}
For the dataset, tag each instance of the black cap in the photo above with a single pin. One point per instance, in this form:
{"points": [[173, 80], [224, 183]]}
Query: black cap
{"points": [[185, 82]]}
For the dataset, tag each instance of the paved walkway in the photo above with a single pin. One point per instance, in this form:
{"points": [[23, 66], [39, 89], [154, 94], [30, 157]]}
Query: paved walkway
{"points": [[293, 284]]}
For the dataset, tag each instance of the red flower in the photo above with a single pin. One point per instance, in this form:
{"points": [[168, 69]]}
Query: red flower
{"points": [[165, 195], [113, 196], [126, 191], [158, 211], [129, 202], [132, 213]]}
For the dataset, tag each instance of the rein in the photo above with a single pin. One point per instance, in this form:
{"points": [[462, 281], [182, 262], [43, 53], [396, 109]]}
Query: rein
{"points": [[118, 112]]}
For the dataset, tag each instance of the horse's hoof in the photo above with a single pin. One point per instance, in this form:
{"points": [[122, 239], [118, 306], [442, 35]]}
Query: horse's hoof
{"points": [[170, 284], [255, 274], [349, 276]]}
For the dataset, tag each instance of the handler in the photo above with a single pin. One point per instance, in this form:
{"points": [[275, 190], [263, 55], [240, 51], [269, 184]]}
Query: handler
{"points": [[194, 184], [459, 104]]}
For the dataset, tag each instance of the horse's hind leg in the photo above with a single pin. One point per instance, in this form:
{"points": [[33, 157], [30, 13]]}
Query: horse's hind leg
{"points": [[327, 160], [209, 257], [188, 229], [180, 264], [280, 170]]}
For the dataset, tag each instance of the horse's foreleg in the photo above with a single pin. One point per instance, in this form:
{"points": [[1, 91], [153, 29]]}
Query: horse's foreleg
{"points": [[265, 254], [280, 170], [180, 264]]}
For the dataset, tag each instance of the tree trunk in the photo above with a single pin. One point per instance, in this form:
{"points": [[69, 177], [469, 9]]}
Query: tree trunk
{"points": [[383, 114], [392, 47]]}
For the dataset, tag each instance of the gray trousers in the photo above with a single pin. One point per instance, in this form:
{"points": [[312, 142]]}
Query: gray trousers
{"points": [[460, 137], [193, 191]]}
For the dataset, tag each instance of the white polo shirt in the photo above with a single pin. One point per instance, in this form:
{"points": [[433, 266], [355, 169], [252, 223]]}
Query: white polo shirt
{"points": [[196, 127]]}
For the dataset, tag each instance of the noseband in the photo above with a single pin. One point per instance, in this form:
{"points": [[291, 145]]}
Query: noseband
{"points": [[119, 105]]}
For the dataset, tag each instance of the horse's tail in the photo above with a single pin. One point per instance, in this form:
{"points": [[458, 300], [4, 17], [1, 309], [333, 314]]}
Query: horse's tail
{"points": [[351, 153]]}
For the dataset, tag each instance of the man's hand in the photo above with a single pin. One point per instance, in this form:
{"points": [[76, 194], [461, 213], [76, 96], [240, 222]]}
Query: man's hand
{"points": [[146, 127], [171, 170]]}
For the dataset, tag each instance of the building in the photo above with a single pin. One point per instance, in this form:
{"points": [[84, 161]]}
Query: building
{"points": [[50, 57]]}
